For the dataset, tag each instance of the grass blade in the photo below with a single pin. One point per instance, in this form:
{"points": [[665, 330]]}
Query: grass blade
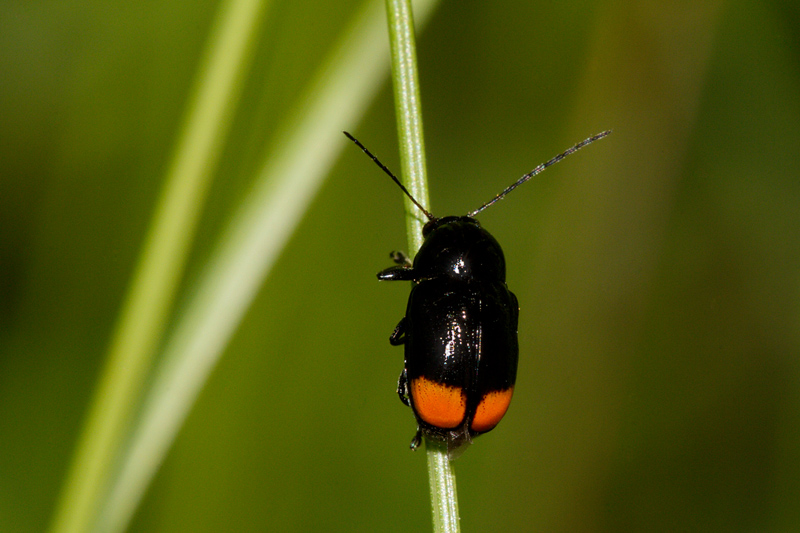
{"points": [[149, 301]]}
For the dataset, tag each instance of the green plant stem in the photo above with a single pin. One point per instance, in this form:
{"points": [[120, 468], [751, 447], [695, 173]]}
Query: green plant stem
{"points": [[408, 110], [145, 313], [444, 499]]}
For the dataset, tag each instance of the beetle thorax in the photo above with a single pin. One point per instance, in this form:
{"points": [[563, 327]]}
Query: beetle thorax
{"points": [[460, 249]]}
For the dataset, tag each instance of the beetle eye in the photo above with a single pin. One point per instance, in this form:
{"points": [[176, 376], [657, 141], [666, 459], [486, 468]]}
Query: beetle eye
{"points": [[429, 226]]}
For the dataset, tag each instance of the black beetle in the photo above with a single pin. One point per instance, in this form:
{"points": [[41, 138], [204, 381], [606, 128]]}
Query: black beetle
{"points": [[460, 327]]}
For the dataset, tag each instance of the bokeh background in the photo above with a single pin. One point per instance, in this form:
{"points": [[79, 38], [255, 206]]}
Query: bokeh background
{"points": [[658, 271]]}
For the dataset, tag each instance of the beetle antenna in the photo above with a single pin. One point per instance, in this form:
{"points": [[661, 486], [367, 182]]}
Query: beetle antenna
{"points": [[389, 172], [539, 170]]}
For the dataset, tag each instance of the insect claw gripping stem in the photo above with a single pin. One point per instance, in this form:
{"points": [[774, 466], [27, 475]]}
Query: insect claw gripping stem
{"points": [[417, 440], [400, 258]]}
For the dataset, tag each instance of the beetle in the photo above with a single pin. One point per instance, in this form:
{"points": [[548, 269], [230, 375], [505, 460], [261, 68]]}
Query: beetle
{"points": [[460, 326]]}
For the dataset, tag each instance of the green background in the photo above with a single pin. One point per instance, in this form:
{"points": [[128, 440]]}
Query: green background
{"points": [[658, 271]]}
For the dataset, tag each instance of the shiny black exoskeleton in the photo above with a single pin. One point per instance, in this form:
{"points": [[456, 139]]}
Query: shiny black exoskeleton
{"points": [[459, 331], [460, 327]]}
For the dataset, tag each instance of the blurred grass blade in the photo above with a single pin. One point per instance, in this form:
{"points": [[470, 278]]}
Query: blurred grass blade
{"points": [[291, 174], [147, 307]]}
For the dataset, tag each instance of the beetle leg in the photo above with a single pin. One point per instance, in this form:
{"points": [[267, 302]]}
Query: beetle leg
{"points": [[417, 440], [401, 259], [402, 388], [397, 273], [398, 336]]}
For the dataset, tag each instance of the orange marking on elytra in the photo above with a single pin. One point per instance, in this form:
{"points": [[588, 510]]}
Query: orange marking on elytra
{"points": [[442, 406], [491, 410]]}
